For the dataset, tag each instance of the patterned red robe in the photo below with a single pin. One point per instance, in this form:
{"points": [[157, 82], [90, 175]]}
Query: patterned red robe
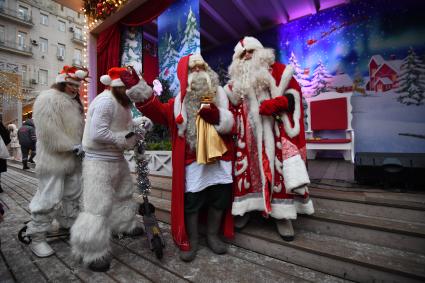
{"points": [[269, 167]]}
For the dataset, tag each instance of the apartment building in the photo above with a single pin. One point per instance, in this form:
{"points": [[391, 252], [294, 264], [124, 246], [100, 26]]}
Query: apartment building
{"points": [[37, 38]]}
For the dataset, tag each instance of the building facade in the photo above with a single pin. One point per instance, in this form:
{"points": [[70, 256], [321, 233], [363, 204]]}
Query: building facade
{"points": [[37, 38]]}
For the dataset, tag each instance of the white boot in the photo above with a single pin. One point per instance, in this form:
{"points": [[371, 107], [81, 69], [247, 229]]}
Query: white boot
{"points": [[285, 229], [39, 245]]}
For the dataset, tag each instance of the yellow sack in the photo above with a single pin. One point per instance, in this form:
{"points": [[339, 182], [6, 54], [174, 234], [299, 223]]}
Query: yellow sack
{"points": [[209, 146]]}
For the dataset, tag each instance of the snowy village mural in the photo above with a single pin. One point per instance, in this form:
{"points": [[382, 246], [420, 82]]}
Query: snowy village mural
{"points": [[132, 47], [369, 50], [178, 33]]}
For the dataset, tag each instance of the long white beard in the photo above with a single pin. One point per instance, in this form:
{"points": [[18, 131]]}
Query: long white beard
{"points": [[247, 75], [199, 85]]}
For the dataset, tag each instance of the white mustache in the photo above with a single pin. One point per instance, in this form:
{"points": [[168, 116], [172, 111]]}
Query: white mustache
{"points": [[202, 74]]}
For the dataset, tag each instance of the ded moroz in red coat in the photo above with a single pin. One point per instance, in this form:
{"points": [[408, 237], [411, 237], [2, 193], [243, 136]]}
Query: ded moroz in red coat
{"points": [[167, 114], [269, 169]]}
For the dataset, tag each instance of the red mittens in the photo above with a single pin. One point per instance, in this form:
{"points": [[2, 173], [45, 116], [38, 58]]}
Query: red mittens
{"points": [[274, 106], [210, 114], [129, 77]]}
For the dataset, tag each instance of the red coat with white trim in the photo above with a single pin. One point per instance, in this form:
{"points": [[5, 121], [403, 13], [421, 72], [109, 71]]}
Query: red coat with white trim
{"points": [[269, 169], [166, 114]]}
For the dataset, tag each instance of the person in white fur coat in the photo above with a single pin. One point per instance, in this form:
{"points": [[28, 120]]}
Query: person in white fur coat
{"points": [[59, 116], [14, 144], [108, 206]]}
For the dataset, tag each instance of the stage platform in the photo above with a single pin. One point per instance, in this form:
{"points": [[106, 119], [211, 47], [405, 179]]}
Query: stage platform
{"points": [[358, 233]]}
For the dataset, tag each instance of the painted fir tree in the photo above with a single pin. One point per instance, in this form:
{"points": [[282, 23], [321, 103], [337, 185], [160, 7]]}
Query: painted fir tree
{"points": [[169, 64], [320, 80], [190, 43], [299, 74], [411, 84]]}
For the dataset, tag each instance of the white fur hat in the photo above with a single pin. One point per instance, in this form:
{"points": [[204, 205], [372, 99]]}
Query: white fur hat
{"points": [[196, 59], [247, 43]]}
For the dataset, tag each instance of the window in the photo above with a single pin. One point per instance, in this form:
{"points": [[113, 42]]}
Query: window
{"points": [[44, 19], [42, 77], [61, 50], [23, 12], [62, 25], [24, 73], [2, 33], [21, 39], [77, 56], [44, 43], [78, 34], [2, 4]]}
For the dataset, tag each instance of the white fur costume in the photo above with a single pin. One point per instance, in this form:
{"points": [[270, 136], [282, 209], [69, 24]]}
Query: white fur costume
{"points": [[59, 126], [108, 206]]}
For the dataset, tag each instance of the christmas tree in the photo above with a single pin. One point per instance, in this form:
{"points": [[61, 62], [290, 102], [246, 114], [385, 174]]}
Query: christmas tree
{"points": [[411, 83], [191, 38], [169, 62], [320, 80], [299, 74]]}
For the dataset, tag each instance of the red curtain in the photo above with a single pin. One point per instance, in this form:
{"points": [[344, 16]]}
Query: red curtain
{"points": [[146, 13], [150, 61], [108, 52], [108, 42]]}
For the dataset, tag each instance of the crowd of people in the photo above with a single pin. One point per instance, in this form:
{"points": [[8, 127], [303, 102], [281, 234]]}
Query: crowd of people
{"points": [[255, 154]]}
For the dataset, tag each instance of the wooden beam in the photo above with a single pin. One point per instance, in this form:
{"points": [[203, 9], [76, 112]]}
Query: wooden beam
{"points": [[281, 11], [219, 19], [247, 14]]}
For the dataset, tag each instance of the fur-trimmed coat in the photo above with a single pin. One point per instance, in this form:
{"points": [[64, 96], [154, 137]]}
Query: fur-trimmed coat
{"points": [[59, 124], [166, 114], [270, 155]]}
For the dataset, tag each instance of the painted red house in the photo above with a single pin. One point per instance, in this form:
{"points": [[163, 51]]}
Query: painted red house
{"points": [[383, 74], [383, 84]]}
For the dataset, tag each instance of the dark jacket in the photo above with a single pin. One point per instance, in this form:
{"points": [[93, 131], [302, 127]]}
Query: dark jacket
{"points": [[26, 135]]}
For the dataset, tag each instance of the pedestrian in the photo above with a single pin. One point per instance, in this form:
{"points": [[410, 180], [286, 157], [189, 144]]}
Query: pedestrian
{"points": [[59, 119], [4, 153], [27, 139], [14, 144]]}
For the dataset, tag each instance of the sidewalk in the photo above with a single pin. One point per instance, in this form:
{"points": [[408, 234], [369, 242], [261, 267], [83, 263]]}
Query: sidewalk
{"points": [[132, 259]]}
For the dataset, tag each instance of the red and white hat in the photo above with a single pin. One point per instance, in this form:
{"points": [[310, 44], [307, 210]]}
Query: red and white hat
{"points": [[113, 77], [247, 43], [71, 74]]}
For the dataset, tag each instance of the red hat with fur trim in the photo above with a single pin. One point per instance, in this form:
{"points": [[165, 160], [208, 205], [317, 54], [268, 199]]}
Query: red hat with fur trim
{"points": [[71, 75], [183, 66], [182, 74], [113, 77], [247, 43]]}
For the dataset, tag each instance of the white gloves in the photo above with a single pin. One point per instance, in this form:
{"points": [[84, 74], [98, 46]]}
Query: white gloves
{"points": [[140, 92]]}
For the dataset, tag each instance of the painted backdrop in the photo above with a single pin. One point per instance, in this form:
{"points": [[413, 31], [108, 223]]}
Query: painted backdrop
{"points": [[371, 50], [178, 34]]}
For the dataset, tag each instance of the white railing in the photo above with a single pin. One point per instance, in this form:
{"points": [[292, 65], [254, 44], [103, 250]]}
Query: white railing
{"points": [[159, 163]]}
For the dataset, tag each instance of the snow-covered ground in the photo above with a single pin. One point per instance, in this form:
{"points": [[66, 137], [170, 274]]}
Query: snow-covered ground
{"points": [[378, 119]]}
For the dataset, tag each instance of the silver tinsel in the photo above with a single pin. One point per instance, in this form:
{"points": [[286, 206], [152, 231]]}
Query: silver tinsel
{"points": [[142, 161]]}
